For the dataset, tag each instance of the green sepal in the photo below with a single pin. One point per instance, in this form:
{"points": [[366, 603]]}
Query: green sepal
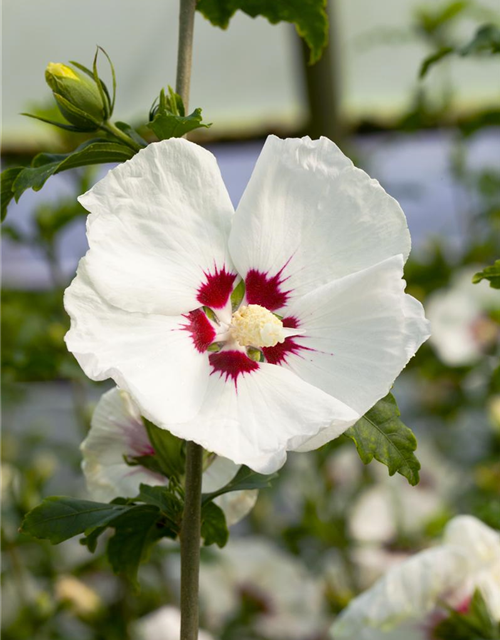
{"points": [[380, 434], [61, 125], [237, 295]]}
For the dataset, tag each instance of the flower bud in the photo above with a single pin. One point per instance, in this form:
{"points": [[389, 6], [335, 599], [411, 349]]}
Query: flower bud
{"points": [[77, 96]]}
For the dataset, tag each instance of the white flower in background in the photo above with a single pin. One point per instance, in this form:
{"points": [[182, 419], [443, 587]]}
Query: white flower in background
{"points": [[324, 326], [81, 598], [117, 430], [407, 601], [391, 507], [162, 624], [462, 329], [289, 602]]}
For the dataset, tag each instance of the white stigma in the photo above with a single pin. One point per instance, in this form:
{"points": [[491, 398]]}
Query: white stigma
{"points": [[255, 326]]}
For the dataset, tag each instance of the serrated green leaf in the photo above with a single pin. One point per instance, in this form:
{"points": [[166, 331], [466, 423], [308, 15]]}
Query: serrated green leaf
{"points": [[169, 120], [492, 274], [213, 525], [380, 434], [45, 165], [135, 533], [169, 450], [59, 518], [8, 178], [309, 17], [245, 479]]}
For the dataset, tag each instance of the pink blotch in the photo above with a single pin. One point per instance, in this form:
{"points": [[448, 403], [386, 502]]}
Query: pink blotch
{"points": [[279, 353], [200, 328], [260, 288], [215, 292], [232, 364]]}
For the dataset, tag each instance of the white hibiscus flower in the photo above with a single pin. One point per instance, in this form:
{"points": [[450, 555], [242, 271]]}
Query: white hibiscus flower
{"points": [[324, 326], [407, 601], [462, 327], [162, 624], [288, 601], [118, 432]]}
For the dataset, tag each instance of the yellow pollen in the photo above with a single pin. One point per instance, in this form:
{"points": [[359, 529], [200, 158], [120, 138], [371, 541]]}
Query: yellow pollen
{"points": [[60, 70], [255, 326]]}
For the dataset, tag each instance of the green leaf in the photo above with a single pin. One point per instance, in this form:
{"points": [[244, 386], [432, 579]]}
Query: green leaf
{"points": [[244, 479], [492, 274], [431, 60], [169, 450], [131, 133], [45, 165], [486, 40], [90, 540], [380, 434], [167, 502], [59, 518], [309, 17], [8, 178], [136, 532], [213, 525], [168, 119], [473, 624]]}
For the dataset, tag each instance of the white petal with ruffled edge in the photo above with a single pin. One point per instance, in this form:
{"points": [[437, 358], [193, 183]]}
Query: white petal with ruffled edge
{"points": [[150, 356], [265, 413], [405, 595], [310, 216], [116, 430], [358, 334], [159, 223]]}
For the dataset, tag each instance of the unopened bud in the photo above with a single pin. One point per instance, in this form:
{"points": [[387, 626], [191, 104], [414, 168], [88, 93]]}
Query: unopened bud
{"points": [[77, 96]]}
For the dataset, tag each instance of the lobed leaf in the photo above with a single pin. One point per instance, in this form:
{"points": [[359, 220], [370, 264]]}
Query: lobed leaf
{"points": [[492, 274], [309, 17], [168, 119], [380, 434]]}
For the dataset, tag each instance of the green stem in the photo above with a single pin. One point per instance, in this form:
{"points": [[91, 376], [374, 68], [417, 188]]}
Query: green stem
{"points": [[113, 130], [190, 542], [185, 49]]}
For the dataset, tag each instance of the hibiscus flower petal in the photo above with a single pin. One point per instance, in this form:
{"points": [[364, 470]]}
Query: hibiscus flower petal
{"points": [[253, 414], [158, 231], [308, 216], [153, 357], [116, 430], [359, 333]]}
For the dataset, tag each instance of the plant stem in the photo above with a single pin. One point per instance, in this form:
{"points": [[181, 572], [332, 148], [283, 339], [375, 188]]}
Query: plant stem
{"points": [[185, 49], [190, 542], [191, 519], [123, 137]]}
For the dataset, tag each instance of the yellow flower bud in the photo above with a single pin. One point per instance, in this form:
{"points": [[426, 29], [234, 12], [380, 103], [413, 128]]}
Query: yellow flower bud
{"points": [[77, 96]]}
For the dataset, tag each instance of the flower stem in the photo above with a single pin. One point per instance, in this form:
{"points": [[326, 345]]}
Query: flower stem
{"points": [[123, 137], [185, 49], [190, 542]]}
